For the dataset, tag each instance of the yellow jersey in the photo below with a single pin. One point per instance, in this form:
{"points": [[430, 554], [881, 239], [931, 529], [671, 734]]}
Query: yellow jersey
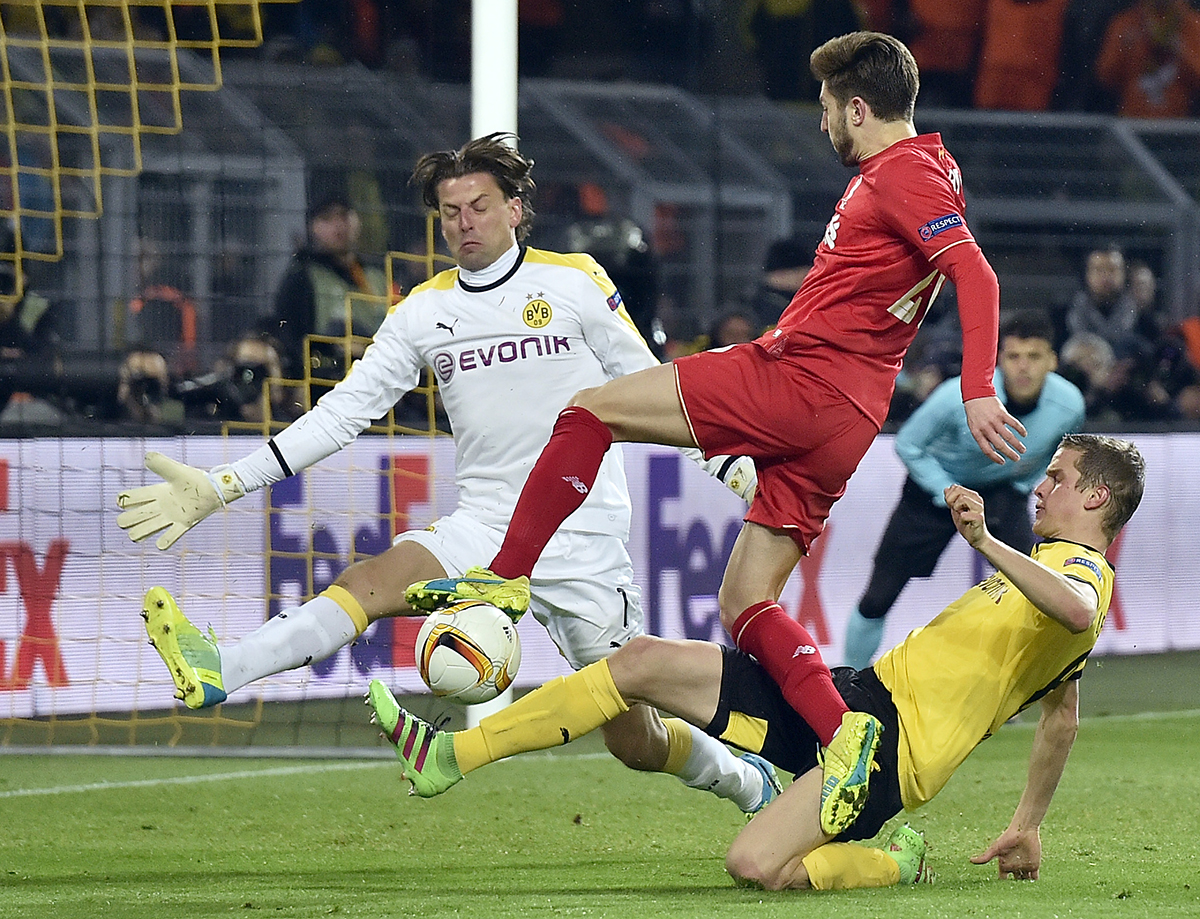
{"points": [[987, 656]]}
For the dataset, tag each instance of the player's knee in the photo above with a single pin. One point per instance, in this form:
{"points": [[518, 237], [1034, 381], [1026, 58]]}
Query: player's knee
{"points": [[732, 602], [636, 664], [748, 869], [610, 406]]}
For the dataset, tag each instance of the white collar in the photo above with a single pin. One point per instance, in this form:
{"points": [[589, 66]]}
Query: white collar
{"points": [[493, 272]]}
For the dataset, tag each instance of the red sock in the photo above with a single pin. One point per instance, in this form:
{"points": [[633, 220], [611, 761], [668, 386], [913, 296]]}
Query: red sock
{"points": [[559, 482], [788, 653]]}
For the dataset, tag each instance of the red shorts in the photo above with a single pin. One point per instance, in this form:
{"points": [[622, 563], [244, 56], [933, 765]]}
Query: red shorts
{"points": [[806, 438]]}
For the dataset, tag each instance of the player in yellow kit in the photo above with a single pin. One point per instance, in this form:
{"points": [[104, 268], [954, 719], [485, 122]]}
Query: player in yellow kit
{"points": [[1021, 636]]}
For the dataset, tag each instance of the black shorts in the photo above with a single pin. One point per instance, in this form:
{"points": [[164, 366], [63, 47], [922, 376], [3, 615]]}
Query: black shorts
{"points": [[918, 531], [753, 715]]}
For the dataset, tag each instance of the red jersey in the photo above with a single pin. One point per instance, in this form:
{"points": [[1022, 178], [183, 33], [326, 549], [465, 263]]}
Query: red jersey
{"points": [[873, 277]]}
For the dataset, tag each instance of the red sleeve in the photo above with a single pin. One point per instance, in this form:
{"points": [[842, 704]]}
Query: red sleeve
{"points": [[979, 313]]}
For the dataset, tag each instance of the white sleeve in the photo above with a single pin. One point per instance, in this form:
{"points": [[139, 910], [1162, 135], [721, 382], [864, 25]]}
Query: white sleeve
{"points": [[389, 368], [608, 328]]}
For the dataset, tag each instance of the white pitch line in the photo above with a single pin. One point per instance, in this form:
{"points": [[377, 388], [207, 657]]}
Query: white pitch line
{"points": [[243, 774], [188, 779]]}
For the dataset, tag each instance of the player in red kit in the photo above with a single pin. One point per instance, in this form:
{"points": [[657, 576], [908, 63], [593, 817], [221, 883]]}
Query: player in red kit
{"points": [[805, 400]]}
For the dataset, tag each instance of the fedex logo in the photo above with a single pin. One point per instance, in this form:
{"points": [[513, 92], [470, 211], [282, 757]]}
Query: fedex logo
{"points": [[447, 363], [38, 588], [312, 561], [940, 225], [688, 548]]}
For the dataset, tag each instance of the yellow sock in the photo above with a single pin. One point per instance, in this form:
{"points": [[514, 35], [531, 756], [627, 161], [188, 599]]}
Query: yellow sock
{"points": [[349, 605], [679, 745], [843, 866], [553, 714]]}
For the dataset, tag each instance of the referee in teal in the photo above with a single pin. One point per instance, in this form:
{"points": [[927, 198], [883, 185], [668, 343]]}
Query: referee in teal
{"points": [[938, 451]]}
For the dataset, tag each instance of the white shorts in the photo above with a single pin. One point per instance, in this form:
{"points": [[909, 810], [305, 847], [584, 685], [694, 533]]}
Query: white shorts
{"points": [[582, 587]]}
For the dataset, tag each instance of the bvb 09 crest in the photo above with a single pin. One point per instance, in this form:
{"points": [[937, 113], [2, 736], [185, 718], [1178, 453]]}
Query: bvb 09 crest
{"points": [[537, 314]]}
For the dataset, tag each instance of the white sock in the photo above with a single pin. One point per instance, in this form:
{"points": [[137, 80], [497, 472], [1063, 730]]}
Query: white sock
{"points": [[295, 637], [712, 767]]}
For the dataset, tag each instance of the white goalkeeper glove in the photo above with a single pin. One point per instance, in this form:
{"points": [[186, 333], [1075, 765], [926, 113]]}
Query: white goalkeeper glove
{"points": [[186, 497], [737, 473]]}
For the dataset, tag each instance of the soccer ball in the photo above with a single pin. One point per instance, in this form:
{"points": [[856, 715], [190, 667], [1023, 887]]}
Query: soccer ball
{"points": [[468, 652]]}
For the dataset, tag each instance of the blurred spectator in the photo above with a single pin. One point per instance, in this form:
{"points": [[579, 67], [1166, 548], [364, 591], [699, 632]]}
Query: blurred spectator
{"points": [[1018, 66], [1143, 290], [1087, 360], [1084, 26], [29, 339], [1115, 386], [1172, 368], [1143, 286], [234, 389], [1103, 305], [144, 389], [675, 328], [1132, 389], [944, 38], [785, 266], [1187, 402], [783, 33], [1151, 59], [735, 325], [934, 357], [621, 248], [160, 316], [312, 296]]}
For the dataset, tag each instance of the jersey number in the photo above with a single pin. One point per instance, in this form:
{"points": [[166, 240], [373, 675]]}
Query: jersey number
{"points": [[914, 305]]}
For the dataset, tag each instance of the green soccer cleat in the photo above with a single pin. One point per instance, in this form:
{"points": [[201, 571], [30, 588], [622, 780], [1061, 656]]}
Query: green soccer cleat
{"points": [[426, 753], [191, 657], [907, 848], [848, 762], [509, 595], [771, 787]]}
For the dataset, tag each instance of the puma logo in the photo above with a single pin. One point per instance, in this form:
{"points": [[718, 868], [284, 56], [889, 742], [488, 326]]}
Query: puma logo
{"points": [[448, 328], [566, 735]]}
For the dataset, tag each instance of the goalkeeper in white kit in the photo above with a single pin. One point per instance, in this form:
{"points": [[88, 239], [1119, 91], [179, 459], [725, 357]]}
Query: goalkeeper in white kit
{"points": [[512, 333]]}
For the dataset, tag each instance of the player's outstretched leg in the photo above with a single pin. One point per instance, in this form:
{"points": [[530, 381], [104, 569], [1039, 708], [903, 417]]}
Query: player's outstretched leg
{"points": [[907, 848], [510, 595], [847, 764], [771, 786], [426, 753], [191, 657]]}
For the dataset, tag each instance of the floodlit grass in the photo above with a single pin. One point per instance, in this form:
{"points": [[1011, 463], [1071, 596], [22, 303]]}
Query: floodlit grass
{"points": [[565, 835]]}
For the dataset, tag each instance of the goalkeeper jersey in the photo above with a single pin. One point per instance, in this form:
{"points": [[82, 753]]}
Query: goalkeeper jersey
{"points": [[983, 659], [509, 349]]}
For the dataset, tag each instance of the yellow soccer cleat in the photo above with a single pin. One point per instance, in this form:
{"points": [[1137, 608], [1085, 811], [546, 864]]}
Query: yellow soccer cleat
{"points": [[848, 762], [191, 657], [508, 594]]}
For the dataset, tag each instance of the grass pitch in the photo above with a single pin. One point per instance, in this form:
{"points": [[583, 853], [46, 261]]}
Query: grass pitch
{"points": [[570, 834]]}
